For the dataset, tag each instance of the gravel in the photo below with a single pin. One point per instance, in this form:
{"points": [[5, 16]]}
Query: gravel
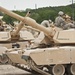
{"points": [[10, 70]]}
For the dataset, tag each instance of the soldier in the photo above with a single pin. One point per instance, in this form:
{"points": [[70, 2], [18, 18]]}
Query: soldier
{"points": [[46, 23], [1, 26], [69, 22], [60, 21], [64, 21]]}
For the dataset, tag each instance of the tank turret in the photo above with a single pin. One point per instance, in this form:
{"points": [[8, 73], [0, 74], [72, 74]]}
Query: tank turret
{"points": [[55, 35], [26, 20]]}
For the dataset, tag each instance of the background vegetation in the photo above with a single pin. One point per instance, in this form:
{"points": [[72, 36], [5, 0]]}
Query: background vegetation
{"points": [[41, 14]]}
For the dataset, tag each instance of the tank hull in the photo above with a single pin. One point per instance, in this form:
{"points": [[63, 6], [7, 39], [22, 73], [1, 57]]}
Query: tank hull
{"points": [[57, 57]]}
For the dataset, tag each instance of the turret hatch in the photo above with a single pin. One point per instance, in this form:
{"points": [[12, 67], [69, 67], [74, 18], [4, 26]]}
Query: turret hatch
{"points": [[5, 36]]}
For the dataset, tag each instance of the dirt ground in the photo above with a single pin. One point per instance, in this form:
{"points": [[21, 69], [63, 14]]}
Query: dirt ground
{"points": [[10, 70]]}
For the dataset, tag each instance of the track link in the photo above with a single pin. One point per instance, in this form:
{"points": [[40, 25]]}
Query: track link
{"points": [[22, 67], [33, 66]]}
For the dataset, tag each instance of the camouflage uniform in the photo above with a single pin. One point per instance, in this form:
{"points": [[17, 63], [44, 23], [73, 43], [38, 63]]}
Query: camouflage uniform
{"points": [[60, 22], [74, 22], [1, 26], [1, 23], [45, 23], [68, 26], [69, 23]]}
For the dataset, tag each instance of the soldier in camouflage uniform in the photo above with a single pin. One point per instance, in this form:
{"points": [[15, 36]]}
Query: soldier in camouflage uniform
{"points": [[46, 23], [69, 23], [63, 21], [60, 21], [1, 26]]}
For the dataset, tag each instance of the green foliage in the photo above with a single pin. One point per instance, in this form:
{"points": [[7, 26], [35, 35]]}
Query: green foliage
{"points": [[35, 16], [41, 14], [8, 19], [1, 14]]}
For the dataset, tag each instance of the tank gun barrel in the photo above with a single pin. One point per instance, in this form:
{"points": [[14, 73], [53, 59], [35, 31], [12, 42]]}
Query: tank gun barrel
{"points": [[29, 27], [29, 21], [10, 13]]}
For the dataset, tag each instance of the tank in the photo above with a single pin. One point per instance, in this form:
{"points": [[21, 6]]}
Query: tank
{"points": [[13, 38], [51, 53]]}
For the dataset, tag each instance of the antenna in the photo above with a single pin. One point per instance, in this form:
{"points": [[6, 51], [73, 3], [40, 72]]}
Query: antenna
{"points": [[35, 6], [14, 7], [72, 10]]}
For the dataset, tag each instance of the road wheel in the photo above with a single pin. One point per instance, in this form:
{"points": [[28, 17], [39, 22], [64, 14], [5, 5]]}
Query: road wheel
{"points": [[58, 69], [4, 59], [72, 69]]}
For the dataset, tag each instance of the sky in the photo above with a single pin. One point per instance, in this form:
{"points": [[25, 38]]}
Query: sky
{"points": [[24, 4]]}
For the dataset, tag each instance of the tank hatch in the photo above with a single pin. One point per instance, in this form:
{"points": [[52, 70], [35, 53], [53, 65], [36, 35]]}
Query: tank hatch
{"points": [[25, 35], [65, 36], [5, 36]]}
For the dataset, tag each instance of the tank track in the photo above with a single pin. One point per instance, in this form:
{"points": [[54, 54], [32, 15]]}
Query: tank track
{"points": [[26, 69], [22, 67], [35, 68], [39, 70], [32, 68]]}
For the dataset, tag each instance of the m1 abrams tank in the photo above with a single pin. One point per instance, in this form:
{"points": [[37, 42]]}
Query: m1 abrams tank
{"points": [[54, 53], [13, 38]]}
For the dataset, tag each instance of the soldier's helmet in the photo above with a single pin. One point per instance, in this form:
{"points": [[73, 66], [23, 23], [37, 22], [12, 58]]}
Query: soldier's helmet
{"points": [[60, 13]]}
